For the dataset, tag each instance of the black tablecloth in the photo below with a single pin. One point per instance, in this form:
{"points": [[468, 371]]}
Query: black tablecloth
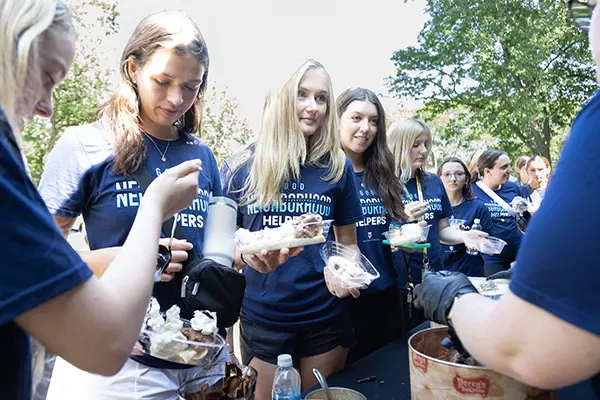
{"points": [[390, 365]]}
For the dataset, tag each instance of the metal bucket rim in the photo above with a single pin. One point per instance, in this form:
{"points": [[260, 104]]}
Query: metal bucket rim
{"points": [[337, 387], [410, 346]]}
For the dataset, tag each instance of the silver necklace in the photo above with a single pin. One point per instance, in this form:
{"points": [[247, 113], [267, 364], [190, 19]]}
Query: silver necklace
{"points": [[163, 157]]}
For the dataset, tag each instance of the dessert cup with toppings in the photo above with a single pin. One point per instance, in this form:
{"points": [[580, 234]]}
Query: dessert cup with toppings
{"points": [[349, 268], [166, 336], [306, 230]]}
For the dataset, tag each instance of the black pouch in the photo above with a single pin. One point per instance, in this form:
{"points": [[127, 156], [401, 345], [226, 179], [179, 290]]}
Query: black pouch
{"points": [[208, 285]]}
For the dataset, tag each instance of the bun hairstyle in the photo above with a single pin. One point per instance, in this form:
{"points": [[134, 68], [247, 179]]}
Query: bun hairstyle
{"points": [[486, 160]]}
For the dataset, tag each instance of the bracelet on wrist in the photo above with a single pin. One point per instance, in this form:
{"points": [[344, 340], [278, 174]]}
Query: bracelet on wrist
{"points": [[242, 259]]}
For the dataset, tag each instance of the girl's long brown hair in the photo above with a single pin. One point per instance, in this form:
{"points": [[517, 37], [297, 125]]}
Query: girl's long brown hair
{"points": [[172, 30], [380, 172]]}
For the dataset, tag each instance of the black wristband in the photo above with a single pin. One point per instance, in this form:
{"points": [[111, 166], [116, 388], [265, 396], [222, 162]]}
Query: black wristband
{"points": [[242, 258]]}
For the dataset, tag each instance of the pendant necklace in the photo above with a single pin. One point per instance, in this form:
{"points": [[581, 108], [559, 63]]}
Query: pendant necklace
{"points": [[163, 157]]}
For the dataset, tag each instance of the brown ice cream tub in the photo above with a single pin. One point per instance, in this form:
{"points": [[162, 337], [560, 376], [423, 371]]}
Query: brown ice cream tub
{"points": [[431, 377]]}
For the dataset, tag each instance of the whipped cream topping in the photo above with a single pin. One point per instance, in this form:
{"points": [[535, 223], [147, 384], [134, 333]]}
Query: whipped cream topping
{"points": [[167, 340], [306, 226], [282, 232], [205, 322], [165, 330], [409, 233]]}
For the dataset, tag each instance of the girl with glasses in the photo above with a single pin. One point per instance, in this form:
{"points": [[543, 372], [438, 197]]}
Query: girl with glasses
{"points": [[47, 292], [465, 210], [149, 123]]}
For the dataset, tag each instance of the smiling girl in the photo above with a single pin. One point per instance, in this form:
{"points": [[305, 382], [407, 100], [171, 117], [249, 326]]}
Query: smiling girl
{"points": [[491, 185], [47, 292], [296, 164], [148, 123], [376, 315]]}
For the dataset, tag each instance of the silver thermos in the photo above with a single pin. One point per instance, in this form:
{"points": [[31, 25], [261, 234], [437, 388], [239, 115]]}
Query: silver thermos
{"points": [[219, 230]]}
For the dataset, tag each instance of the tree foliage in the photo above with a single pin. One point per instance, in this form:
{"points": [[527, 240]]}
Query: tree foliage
{"points": [[78, 96], [517, 69], [222, 129]]}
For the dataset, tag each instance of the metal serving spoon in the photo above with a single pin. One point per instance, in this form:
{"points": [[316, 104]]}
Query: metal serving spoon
{"points": [[323, 384]]}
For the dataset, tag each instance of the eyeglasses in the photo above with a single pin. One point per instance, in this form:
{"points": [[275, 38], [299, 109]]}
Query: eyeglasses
{"points": [[456, 175], [581, 13], [163, 257]]}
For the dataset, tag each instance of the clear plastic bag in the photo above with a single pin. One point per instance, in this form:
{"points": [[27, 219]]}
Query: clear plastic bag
{"points": [[489, 245]]}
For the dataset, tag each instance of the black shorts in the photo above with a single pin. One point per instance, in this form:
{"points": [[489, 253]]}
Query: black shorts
{"points": [[266, 343]]}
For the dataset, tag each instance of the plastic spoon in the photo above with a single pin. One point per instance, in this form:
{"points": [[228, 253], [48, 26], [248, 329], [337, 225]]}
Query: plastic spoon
{"points": [[164, 253], [323, 384]]}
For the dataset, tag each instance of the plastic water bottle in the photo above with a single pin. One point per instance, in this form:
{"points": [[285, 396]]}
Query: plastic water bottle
{"points": [[476, 225], [286, 384]]}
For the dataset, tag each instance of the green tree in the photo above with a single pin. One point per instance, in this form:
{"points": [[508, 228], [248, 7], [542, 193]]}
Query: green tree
{"points": [[517, 69], [222, 129], [84, 88], [453, 136]]}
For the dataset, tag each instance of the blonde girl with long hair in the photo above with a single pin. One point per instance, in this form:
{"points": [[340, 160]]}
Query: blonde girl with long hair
{"points": [[47, 292], [296, 166], [425, 200], [149, 123]]}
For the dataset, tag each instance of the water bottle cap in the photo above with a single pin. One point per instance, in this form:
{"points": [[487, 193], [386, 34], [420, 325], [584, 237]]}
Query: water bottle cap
{"points": [[284, 360]]}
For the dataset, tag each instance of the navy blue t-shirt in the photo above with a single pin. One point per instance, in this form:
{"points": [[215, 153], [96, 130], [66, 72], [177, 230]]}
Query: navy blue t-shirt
{"points": [[37, 264], [435, 194], [370, 236], [295, 294], [455, 256], [504, 224], [557, 268], [79, 179]]}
